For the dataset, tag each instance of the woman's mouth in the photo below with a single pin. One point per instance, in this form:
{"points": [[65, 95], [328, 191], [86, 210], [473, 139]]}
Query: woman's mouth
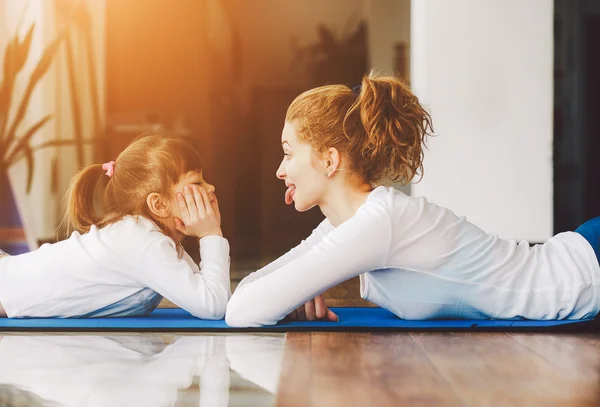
{"points": [[289, 194]]}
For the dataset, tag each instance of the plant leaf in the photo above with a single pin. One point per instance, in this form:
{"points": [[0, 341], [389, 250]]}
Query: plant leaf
{"points": [[54, 176], [23, 49], [30, 166], [61, 143], [6, 88], [34, 79], [9, 58], [23, 142], [75, 105], [53, 143]]}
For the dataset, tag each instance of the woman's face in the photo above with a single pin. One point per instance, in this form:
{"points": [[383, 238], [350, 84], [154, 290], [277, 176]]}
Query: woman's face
{"points": [[306, 183]]}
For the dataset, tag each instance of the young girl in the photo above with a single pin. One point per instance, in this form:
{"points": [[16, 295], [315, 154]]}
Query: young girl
{"points": [[122, 259], [414, 258]]}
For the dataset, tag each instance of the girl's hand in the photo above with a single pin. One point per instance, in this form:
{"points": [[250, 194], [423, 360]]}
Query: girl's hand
{"points": [[314, 309], [198, 215], [215, 205]]}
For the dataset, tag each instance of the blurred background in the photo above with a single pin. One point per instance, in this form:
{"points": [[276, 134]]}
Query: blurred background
{"points": [[512, 86]]}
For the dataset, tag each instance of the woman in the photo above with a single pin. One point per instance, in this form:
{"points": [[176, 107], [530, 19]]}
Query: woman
{"points": [[414, 258]]}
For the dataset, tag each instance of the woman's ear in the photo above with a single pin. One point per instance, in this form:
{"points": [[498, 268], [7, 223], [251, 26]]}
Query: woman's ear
{"points": [[332, 161], [157, 205]]}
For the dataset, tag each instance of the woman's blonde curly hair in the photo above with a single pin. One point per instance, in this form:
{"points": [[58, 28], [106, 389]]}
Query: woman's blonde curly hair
{"points": [[381, 126]]}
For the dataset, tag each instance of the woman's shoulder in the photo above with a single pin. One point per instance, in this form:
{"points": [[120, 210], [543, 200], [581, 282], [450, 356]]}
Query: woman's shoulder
{"points": [[385, 198], [392, 198], [396, 207], [377, 209]]}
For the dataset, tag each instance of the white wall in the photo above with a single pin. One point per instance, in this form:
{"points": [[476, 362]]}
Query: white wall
{"points": [[483, 68]]}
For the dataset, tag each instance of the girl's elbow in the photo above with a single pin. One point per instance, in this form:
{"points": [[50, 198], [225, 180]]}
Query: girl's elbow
{"points": [[218, 315], [213, 314], [218, 311], [219, 304], [212, 311]]}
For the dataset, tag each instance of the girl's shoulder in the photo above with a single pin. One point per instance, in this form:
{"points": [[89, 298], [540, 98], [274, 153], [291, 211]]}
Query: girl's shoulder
{"points": [[137, 236], [133, 222], [134, 229]]}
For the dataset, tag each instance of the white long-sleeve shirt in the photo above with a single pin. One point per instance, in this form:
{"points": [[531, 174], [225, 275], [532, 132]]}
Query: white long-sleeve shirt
{"points": [[88, 272], [421, 261]]}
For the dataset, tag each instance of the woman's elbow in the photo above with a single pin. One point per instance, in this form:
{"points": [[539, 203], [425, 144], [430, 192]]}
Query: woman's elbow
{"points": [[236, 316]]}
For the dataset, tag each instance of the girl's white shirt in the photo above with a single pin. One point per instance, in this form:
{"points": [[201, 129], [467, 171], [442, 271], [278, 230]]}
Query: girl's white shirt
{"points": [[90, 271]]}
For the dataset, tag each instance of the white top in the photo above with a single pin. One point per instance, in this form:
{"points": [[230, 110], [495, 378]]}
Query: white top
{"points": [[421, 261], [88, 272]]}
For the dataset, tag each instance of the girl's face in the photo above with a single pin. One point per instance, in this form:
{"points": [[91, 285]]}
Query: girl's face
{"points": [[299, 169], [190, 178]]}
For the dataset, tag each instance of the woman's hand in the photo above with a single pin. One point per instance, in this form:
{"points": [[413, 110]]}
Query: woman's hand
{"points": [[314, 309], [199, 216]]}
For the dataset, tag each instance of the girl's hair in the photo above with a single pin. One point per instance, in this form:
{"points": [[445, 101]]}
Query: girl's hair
{"points": [[152, 163], [380, 126]]}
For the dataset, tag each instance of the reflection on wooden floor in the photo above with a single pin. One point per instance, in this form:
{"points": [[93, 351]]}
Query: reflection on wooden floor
{"points": [[440, 369], [300, 369], [139, 370]]}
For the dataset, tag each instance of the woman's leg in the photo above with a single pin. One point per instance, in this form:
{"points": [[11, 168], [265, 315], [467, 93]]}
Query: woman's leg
{"points": [[590, 230]]}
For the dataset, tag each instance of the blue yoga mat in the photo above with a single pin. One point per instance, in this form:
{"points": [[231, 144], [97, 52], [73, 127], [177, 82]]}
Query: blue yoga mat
{"points": [[351, 319]]}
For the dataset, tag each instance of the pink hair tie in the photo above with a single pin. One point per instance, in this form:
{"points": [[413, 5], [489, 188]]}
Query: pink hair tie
{"points": [[109, 167]]}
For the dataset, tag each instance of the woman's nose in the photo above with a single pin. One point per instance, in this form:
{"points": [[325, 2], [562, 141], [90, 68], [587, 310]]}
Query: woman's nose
{"points": [[280, 171]]}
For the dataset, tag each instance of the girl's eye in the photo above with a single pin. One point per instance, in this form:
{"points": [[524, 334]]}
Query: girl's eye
{"points": [[286, 155]]}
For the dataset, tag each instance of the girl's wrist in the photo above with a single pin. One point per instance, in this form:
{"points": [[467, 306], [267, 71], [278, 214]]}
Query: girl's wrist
{"points": [[214, 233]]}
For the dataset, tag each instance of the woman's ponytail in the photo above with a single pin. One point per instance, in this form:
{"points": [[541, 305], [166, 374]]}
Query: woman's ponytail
{"points": [[395, 130]]}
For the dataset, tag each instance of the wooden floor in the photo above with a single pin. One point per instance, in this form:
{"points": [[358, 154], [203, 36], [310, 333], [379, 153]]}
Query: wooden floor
{"points": [[301, 369], [440, 369]]}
